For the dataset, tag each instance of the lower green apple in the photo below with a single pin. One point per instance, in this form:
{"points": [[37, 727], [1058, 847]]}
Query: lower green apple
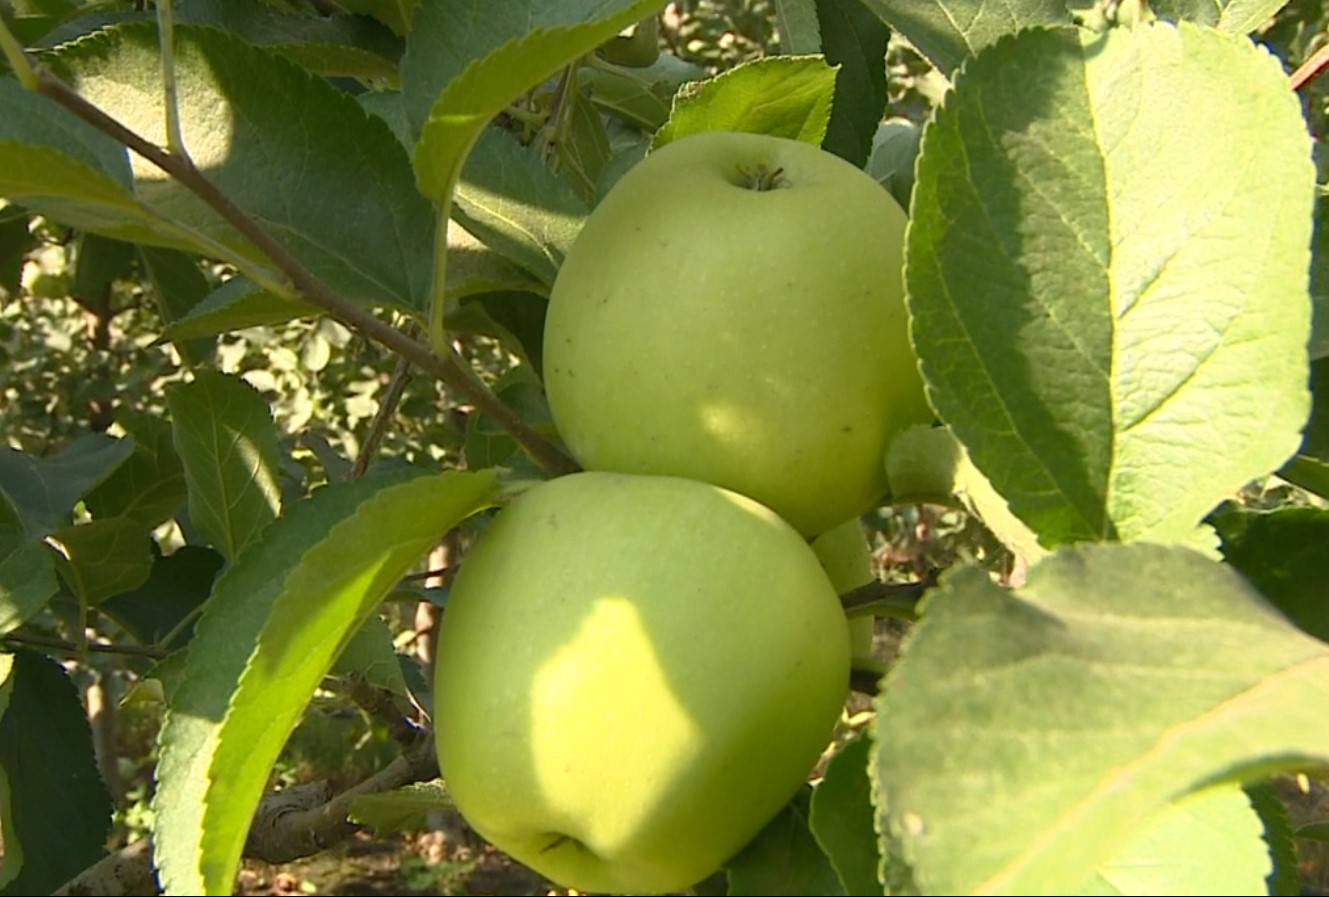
{"points": [[634, 674], [844, 555]]}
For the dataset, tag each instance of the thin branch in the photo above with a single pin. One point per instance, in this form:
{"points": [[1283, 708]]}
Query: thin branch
{"points": [[74, 648], [175, 140], [887, 599], [1310, 69], [169, 638], [447, 367], [289, 824], [401, 375]]}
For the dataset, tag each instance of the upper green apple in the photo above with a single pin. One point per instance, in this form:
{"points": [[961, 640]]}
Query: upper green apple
{"points": [[634, 674], [753, 338]]}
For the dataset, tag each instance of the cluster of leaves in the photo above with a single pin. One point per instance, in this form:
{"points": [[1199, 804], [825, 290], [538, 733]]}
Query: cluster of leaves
{"points": [[1109, 308]]}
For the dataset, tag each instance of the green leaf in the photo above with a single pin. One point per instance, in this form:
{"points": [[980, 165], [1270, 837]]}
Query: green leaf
{"points": [[396, 14], [236, 304], [177, 585], [1320, 279], [45, 490], [585, 151], [514, 204], [179, 285], [785, 96], [948, 32], [797, 25], [1283, 554], [1309, 468], [331, 184], [515, 318], [276, 621], [628, 95], [414, 807], [1207, 842], [370, 655], [27, 583], [98, 262], [891, 163], [1102, 294], [1278, 839], [327, 45], [1316, 831], [783, 859], [1121, 678], [227, 442], [16, 240], [104, 557], [854, 39], [55, 810], [150, 485], [465, 60], [1232, 16], [842, 819]]}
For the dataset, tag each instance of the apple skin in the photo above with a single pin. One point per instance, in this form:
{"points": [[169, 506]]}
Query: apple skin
{"points": [[844, 555], [634, 675], [755, 339]]}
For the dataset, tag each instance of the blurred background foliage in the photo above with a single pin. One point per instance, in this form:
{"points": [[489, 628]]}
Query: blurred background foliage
{"points": [[80, 349]]}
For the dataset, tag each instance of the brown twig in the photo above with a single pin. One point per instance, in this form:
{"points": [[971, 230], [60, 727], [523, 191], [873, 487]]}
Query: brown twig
{"points": [[289, 824], [68, 647], [1310, 69], [401, 375], [449, 367]]}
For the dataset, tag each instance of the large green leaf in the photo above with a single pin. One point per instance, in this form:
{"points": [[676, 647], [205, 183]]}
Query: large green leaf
{"points": [[1278, 838], [1206, 843], [1285, 554], [396, 14], [796, 23], [1232, 16], [44, 490], [854, 39], [331, 183], [276, 621], [55, 809], [150, 485], [784, 96], [466, 59], [104, 557], [949, 31], [1103, 296], [227, 442], [1120, 679], [841, 819]]}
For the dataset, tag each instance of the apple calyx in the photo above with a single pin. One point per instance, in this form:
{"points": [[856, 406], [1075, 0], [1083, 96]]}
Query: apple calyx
{"points": [[762, 178]]}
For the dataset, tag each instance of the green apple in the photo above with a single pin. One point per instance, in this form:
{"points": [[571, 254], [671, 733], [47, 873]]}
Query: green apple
{"points": [[634, 674], [844, 555], [732, 312]]}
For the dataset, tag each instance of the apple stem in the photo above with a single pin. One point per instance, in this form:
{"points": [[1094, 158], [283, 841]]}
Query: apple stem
{"points": [[763, 179]]}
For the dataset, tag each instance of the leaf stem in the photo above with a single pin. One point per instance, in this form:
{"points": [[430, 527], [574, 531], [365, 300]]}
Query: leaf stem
{"points": [[17, 58], [401, 375], [1310, 69], [68, 647], [446, 365], [438, 291], [887, 599], [175, 141]]}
